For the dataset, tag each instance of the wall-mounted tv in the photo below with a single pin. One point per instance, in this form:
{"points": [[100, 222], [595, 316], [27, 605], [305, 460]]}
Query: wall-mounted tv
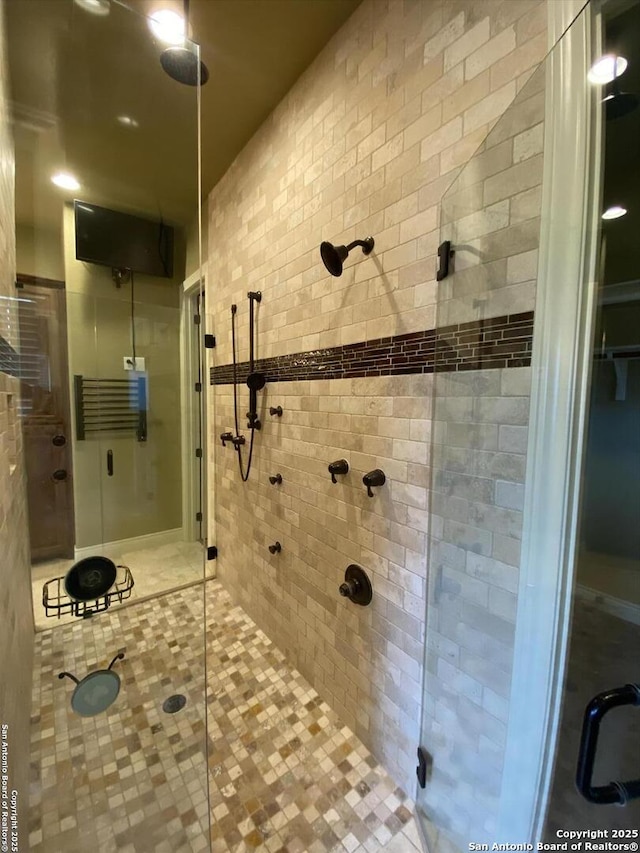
{"points": [[122, 241]]}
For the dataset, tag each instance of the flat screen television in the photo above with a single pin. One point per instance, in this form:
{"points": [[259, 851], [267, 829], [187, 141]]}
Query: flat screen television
{"points": [[122, 241]]}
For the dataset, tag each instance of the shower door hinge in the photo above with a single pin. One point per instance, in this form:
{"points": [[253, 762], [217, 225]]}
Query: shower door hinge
{"points": [[198, 453], [209, 341], [198, 387], [445, 253], [421, 769], [198, 516], [212, 552], [196, 319]]}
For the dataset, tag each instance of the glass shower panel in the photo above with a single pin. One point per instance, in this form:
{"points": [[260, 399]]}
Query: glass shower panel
{"points": [[141, 458], [491, 216], [102, 337]]}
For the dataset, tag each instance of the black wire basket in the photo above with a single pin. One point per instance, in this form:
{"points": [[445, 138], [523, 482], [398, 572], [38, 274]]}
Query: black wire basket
{"points": [[57, 602]]}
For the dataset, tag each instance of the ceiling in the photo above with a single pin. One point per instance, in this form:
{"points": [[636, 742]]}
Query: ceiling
{"points": [[73, 73]]}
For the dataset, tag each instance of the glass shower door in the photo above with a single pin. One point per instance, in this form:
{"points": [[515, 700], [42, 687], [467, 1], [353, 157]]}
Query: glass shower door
{"points": [[596, 770], [142, 459], [118, 746], [493, 217]]}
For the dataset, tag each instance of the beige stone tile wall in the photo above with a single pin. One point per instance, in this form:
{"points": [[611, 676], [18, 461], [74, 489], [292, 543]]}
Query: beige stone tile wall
{"points": [[367, 142], [491, 214], [365, 661], [16, 616]]}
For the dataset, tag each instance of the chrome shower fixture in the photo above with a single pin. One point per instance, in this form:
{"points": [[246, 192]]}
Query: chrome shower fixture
{"points": [[333, 256]]}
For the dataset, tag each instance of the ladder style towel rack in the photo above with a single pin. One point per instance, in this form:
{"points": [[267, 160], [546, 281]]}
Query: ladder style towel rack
{"points": [[104, 405]]}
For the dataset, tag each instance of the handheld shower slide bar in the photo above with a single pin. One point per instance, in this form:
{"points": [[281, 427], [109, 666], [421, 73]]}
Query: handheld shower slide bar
{"points": [[255, 382]]}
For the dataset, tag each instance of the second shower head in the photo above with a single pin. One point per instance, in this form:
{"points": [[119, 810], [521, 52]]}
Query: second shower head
{"points": [[334, 256]]}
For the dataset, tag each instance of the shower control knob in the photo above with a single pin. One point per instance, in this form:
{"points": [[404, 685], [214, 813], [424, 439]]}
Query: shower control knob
{"points": [[277, 479], [340, 466], [374, 478], [356, 586], [349, 589], [275, 548], [276, 410], [225, 437]]}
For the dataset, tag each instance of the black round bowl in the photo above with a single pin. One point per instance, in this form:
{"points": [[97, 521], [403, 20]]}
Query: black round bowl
{"points": [[90, 578]]}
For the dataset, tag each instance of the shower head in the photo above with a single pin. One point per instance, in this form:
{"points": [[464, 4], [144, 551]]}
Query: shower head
{"points": [[333, 256], [183, 65]]}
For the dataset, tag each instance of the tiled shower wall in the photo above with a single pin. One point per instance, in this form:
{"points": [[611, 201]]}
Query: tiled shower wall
{"points": [[367, 142], [16, 619]]}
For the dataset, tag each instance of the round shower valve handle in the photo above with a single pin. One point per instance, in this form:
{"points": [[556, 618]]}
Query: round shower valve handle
{"points": [[349, 589], [357, 586]]}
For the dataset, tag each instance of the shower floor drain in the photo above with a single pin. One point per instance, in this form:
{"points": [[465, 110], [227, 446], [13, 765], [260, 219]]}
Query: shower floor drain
{"points": [[174, 703]]}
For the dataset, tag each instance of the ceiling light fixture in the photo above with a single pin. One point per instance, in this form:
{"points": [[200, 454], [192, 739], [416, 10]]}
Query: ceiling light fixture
{"points": [[168, 26], [65, 181], [96, 7], [614, 212], [127, 121], [607, 68]]}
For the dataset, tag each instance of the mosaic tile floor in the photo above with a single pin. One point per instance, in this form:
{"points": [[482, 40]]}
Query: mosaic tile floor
{"points": [[284, 776], [155, 571]]}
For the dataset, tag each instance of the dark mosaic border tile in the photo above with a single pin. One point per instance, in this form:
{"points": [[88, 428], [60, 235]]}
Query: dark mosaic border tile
{"points": [[479, 345]]}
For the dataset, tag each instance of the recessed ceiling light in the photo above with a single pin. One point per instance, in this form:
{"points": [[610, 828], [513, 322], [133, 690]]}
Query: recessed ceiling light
{"points": [[96, 7], [167, 26], [127, 121], [614, 212], [65, 181], [607, 68]]}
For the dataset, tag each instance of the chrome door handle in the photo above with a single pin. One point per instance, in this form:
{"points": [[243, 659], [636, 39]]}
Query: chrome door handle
{"points": [[597, 708]]}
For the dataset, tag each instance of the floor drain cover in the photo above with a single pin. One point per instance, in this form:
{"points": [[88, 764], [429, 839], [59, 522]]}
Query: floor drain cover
{"points": [[174, 703]]}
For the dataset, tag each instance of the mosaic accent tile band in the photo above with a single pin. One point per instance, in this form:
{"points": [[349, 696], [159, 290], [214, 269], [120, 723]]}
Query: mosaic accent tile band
{"points": [[482, 344]]}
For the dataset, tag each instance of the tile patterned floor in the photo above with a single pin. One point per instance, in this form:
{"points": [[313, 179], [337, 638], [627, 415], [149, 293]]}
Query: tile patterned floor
{"points": [[155, 571], [284, 775]]}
